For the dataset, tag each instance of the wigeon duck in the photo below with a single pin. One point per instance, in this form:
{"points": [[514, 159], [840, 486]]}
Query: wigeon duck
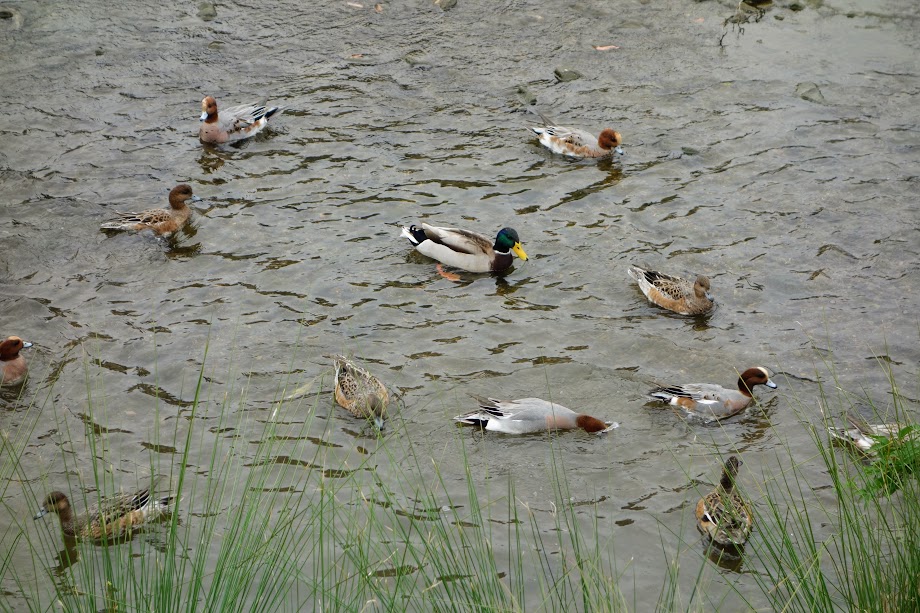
{"points": [[162, 221], [578, 143], [464, 249], [864, 435], [529, 415], [359, 391], [14, 367], [112, 517], [673, 293], [714, 402], [234, 123], [722, 514]]}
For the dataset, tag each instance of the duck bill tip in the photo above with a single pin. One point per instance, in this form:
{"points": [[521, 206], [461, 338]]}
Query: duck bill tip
{"points": [[519, 251]]}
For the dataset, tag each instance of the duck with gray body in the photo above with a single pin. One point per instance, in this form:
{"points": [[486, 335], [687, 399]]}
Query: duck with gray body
{"points": [[232, 123], [464, 249], [577, 143], [864, 435], [529, 415], [714, 402]]}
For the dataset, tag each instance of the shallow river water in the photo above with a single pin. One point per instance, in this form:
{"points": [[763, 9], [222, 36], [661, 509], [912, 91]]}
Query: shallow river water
{"points": [[797, 201]]}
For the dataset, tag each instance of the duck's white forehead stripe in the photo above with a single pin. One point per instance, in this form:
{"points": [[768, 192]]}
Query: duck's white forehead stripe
{"points": [[764, 371]]}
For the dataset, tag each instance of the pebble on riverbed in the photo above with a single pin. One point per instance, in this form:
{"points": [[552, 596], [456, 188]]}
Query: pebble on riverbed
{"points": [[810, 92]]}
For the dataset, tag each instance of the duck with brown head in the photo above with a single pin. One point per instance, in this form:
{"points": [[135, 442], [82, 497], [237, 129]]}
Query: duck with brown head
{"points": [[576, 143], [233, 123], [13, 366], [714, 402], [113, 517], [163, 222], [529, 415]]}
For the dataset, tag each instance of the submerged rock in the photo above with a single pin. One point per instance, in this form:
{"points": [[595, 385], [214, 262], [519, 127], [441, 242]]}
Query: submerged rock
{"points": [[206, 11], [446, 5], [417, 59], [810, 92], [567, 74], [525, 95], [12, 16]]}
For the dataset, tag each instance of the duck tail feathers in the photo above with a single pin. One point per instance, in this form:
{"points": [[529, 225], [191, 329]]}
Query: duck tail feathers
{"points": [[166, 501], [661, 394], [476, 418], [117, 225], [415, 234]]}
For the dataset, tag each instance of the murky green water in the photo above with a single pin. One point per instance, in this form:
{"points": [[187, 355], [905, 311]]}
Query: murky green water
{"points": [[803, 213]]}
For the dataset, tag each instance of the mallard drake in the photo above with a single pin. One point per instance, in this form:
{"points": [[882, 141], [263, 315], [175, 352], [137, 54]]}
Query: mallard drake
{"points": [[722, 514], [576, 143], [233, 123], [162, 221], [529, 415], [13, 367], [360, 392], [113, 517], [464, 249], [673, 293], [714, 402]]}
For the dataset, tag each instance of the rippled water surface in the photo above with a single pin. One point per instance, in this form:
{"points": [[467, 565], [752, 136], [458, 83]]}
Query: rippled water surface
{"points": [[800, 207]]}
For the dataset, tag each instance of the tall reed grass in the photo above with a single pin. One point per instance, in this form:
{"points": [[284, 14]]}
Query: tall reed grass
{"points": [[283, 524], [871, 560]]}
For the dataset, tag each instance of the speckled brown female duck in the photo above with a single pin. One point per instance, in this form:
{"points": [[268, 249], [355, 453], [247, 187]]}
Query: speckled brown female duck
{"points": [[360, 392], [722, 514], [162, 222], [673, 293], [113, 517]]}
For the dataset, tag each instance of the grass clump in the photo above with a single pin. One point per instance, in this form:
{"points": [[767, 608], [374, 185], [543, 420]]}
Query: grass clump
{"points": [[272, 516], [896, 463], [856, 545]]}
